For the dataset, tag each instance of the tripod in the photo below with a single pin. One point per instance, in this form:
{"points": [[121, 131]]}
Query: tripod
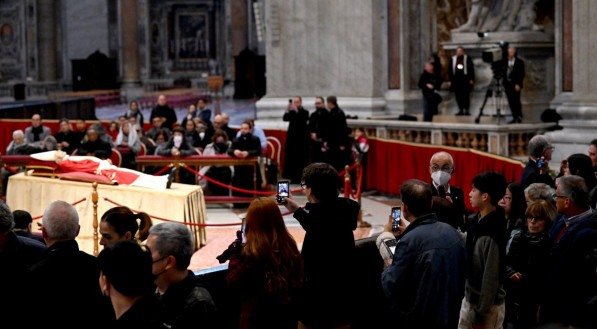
{"points": [[495, 90]]}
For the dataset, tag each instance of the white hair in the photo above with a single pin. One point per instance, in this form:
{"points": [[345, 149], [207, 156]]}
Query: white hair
{"points": [[18, 133], [61, 221]]}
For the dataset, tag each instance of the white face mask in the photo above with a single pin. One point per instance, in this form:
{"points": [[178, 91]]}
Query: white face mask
{"points": [[177, 140], [201, 135], [440, 177]]}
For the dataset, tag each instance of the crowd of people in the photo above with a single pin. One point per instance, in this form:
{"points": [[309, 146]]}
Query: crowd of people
{"points": [[322, 136], [526, 257]]}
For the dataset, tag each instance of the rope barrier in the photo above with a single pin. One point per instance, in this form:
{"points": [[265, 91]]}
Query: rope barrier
{"points": [[241, 190], [72, 204], [230, 187], [163, 170], [171, 220], [190, 224]]}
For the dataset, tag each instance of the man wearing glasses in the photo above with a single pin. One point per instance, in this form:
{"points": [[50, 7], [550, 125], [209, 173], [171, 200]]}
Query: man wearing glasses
{"points": [[441, 168], [571, 276], [537, 168]]}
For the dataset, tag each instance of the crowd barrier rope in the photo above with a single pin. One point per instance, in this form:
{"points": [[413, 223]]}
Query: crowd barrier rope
{"points": [[271, 193]]}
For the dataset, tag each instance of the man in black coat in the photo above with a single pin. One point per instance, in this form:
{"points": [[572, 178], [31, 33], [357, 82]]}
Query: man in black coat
{"points": [[67, 279], [17, 254], [165, 111], [296, 147], [537, 168], [462, 79], [513, 83], [328, 249], [441, 168], [337, 141], [429, 83], [246, 145], [94, 146], [318, 123]]}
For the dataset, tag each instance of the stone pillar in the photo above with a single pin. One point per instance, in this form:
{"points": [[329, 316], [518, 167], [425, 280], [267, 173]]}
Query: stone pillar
{"points": [[130, 42], [325, 48], [578, 106], [409, 45], [238, 28], [47, 40]]}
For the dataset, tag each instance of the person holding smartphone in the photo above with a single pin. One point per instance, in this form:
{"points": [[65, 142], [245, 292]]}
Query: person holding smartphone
{"points": [[429, 260], [328, 249]]}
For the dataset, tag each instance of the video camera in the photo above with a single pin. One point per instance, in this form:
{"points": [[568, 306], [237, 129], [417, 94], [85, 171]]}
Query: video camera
{"points": [[496, 56]]}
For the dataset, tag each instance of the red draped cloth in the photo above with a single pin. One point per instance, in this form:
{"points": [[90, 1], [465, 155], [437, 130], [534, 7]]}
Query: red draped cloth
{"points": [[390, 163], [90, 166]]}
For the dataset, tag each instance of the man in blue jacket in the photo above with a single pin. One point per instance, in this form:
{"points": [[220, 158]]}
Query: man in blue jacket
{"points": [[571, 295], [425, 281]]}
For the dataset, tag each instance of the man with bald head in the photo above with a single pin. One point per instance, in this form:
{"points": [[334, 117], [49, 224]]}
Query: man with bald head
{"points": [[67, 278], [221, 122], [163, 110], [441, 168], [37, 133]]}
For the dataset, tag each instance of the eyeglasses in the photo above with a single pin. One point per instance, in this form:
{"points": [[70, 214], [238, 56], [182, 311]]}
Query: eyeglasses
{"points": [[556, 196], [446, 168], [159, 259], [303, 185]]}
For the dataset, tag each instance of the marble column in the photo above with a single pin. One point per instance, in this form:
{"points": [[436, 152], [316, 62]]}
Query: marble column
{"points": [[325, 48], [47, 40], [578, 104], [409, 44], [130, 42]]}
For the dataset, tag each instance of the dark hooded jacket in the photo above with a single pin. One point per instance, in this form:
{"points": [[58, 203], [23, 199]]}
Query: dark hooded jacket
{"points": [[328, 253]]}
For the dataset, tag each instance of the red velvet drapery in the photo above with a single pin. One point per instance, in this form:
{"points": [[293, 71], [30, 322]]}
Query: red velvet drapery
{"points": [[393, 162]]}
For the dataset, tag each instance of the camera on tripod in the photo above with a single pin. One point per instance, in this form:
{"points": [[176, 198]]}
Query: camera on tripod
{"points": [[496, 56]]}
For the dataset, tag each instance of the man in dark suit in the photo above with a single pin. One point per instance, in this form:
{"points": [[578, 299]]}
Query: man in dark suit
{"points": [[441, 167], [537, 168], [67, 278], [163, 110], [462, 79], [513, 84], [246, 145]]}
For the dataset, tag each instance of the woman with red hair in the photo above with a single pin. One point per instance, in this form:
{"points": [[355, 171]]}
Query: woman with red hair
{"points": [[267, 275]]}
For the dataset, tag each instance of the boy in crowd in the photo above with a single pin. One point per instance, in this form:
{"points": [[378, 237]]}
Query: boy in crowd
{"points": [[483, 303]]}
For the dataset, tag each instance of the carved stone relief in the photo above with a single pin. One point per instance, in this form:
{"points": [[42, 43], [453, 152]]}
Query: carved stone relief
{"points": [[12, 38]]}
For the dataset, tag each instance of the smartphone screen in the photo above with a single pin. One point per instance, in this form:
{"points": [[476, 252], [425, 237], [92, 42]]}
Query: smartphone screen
{"points": [[242, 230], [283, 190], [395, 218], [391, 244]]}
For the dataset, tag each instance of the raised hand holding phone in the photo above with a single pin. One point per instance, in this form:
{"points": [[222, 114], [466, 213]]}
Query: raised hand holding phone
{"points": [[283, 191]]}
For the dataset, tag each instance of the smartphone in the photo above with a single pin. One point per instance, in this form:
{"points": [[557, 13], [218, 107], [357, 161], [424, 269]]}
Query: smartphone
{"points": [[283, 191], [391, 244], [540, 162], [243, 227], [290, 101], [396, 211]]}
